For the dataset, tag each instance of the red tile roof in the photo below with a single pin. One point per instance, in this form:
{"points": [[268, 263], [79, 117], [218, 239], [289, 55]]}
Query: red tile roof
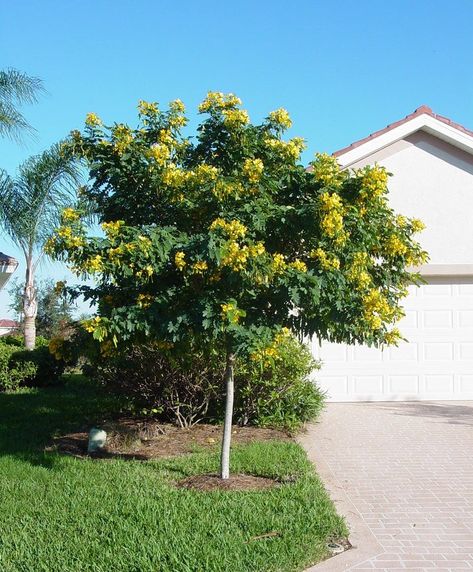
{"points": [[6, 323], [423, 109]]}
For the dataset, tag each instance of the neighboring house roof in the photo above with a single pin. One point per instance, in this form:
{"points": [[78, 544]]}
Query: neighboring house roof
{"points": [[422, 119], [6, 323], [8, 265]]}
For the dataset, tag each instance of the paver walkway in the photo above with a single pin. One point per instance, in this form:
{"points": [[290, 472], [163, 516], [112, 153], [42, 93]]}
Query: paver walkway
{"points": [[407, 470]]}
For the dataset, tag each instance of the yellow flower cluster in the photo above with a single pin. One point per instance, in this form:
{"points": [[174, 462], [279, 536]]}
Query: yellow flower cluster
{"points": [[401, 221], [235, 256], [70, 215], [279, 263], [177, 120], [280, 117], [94, 264], [417, 225], [231, 312], [253, 169], [332, 221], [123, 137], [416, 258], [289, 150], [92, 120], [165, 137], [374, 181], [112, 228], [146, 108], [179, 260], [299, 265], [326, 169], [144, 300], [199, 267], [203, 174], [326, 262], [377, 309], [223, 189], [235, 117], [233, 229], [269, 354], [70, 239], [174, 176], [257, 249], [394, 246], [177, 106], [357, 272], [145, 272], [393, 337], [160, 153], [92, 324], [219, 100]]}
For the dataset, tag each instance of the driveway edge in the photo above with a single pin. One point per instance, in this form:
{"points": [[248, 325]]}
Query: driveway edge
{"points": [[364, 544]]}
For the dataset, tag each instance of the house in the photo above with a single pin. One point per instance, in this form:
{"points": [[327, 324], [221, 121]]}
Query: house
{"points": [[8, 327], [8, 265], [431, 159]]}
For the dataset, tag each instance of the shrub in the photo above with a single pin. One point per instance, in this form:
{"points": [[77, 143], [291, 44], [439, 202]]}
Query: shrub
{"points": [[48, 369], [281, 394], [12, 375], [179, 389], [184, 390]]}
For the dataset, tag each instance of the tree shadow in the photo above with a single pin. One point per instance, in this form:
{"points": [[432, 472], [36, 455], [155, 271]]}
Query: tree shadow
{"points": [[453, 413], [30, 419]]}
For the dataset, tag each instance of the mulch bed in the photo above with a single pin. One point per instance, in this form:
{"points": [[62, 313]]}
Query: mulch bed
{"points": [[234, 483], [144, 440]]}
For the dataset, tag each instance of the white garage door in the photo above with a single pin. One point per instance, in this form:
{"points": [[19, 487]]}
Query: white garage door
{"points": [[436, 363]]}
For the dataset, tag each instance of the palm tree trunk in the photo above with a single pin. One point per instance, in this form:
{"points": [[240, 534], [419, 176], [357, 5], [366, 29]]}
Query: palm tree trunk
{"points": [[227, 426], [30, 308]]}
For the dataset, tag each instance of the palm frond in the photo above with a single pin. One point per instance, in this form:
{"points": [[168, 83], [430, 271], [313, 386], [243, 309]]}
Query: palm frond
{"points": [[18, 87]]}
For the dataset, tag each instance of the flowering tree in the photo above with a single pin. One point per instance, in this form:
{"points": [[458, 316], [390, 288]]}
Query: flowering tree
{"points": [[228, 239]]}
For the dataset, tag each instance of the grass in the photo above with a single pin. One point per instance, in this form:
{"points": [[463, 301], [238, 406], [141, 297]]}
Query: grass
{"points": [[62, 514]]}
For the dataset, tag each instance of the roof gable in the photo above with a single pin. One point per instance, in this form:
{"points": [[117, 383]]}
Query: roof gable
{"points": [[423, 119]]}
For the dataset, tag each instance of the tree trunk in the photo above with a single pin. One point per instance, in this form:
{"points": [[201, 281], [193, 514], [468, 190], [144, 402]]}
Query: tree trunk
{"points": [[227, 426], [30, 308]]}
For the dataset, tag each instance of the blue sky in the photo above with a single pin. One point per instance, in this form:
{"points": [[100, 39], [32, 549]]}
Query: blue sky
{"points": [[342, 69]]}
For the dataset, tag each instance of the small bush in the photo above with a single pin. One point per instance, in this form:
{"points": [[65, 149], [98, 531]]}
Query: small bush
{"points": [[187, 389], [180, 389], [48, 369], [282, 395], [12, 375]]}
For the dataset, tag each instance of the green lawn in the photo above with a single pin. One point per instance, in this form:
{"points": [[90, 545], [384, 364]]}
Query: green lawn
{"points": [[64, 514]]}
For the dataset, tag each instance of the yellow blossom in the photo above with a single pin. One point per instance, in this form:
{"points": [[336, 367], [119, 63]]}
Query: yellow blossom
{"points": [[253, 169], [395, 246], [144, 300], [165, 137], [299, 265], [279, 263], [179, 260], [70, 215], [235, 117], [199, 267], [112, 228], [393, 337], [257, 249], [91, 324], [92, 120], [280, 117], [288, 150], [233, 229], [374, 181], [203, 174], [231, 312], [417, 225], [235, 256], [177, 106], [160, 153], [326, 262], [146, 108], [122, 137], [326, 169]]}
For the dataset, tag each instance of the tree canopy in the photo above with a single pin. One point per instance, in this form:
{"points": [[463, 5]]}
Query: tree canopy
{"points": [[227, 237]]}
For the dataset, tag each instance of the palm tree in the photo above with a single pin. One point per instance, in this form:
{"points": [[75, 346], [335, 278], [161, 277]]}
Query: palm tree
{"points": [[16, 88], [30, 208]]}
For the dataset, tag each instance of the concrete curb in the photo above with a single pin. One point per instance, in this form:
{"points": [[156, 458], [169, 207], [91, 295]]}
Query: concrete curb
{"points": [[364, 544]]}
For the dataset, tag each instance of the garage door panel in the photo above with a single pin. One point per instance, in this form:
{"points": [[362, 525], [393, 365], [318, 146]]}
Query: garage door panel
{"points": [[435, 363]]}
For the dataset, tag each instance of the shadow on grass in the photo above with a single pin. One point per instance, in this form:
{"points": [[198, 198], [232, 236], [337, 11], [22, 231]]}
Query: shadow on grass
{"points": [[31, 418]]}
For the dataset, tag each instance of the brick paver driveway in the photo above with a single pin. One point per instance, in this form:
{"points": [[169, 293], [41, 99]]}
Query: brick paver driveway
{"points": [[407, 470]]}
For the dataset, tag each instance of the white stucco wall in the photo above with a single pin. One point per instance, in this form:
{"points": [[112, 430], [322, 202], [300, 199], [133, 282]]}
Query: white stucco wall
{"points": [[433, 181]]}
